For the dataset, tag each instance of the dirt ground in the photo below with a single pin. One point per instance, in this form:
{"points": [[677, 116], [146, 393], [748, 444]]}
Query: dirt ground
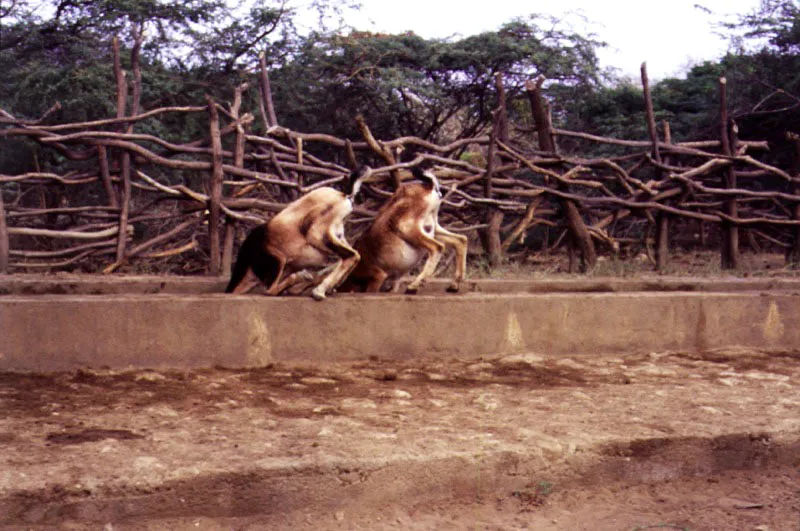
{"points": [[656, 440]]}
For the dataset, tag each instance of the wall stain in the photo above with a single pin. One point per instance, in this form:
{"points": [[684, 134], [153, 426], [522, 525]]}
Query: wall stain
{"points": [[513, 340], [773, 327], [259, 343]]}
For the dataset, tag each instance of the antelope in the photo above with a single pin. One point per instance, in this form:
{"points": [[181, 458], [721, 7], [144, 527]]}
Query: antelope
{"points": [[304, 235], [405, 229]]}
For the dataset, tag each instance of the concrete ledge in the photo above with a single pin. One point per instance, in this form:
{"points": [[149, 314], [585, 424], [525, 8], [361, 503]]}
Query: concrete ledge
{"points": [[71, 284], [47, 332]]}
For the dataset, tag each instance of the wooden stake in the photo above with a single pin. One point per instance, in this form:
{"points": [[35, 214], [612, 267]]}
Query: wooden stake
{"points": [[662, 219], [4, 245], [266, 92], [227, 247], [215, 197], [793, 254], [577, 228], [125, 157], [729, 251], [105, 176]]}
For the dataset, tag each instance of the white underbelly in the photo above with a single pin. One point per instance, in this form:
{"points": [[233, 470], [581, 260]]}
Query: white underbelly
{"points": [[402, 258], [308, 257]]}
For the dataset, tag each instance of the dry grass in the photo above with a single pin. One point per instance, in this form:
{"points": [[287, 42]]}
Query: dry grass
{"points": [[690, 264]]}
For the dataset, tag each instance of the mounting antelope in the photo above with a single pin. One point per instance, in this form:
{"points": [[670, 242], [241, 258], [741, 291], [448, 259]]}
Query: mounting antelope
{"points": [[304, 235], [404, 231]]}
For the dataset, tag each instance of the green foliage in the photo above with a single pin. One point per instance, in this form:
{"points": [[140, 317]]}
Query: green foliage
{"points": [[406, 85], [775, 21], [402, 84]]}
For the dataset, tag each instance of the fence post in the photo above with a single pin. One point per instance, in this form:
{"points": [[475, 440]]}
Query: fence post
{"points": [[238, 161], [125, 159], [105, 176], [793, 253], [662, 220], [578, 233], [730, 232], [4, 245], [494, 217], [270, 117], [215, 196]]}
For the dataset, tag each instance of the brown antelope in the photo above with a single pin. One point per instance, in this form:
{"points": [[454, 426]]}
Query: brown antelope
{"points": [[405, 229], [305, 234]]}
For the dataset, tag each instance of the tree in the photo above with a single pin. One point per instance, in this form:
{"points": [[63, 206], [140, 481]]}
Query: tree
{"points": [[776, 21], [406, 85]]}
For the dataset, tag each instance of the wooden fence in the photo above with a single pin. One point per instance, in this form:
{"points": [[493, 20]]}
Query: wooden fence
{"points": [[155, 200]]}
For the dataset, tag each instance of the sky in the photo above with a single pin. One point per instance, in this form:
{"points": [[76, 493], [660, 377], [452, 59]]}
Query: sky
{"points": [[669, 35]]}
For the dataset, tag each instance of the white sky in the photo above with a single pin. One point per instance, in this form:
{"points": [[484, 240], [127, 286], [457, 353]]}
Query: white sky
{"points": [[669, 35]]}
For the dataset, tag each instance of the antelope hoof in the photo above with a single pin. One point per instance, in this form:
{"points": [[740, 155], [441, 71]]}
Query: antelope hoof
{"points": [[411, 290], [318, 294], [454, 287]]}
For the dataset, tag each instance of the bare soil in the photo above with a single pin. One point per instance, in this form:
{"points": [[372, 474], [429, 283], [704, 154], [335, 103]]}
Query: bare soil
{"points": [[654, 440]]}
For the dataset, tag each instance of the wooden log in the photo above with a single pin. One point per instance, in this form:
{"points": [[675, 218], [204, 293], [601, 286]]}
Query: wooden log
{"points": [[239, 143], [793, 253], [67, 234], [575, 223], [380, 149], [662, 220], [110, 244], [651, 120], [238, 161], [491, 236], [689, 147], [172, 252], [63, 263], [71, 178], [227, 247], [215, 196], [121, 83], [518, 232], [4, 242], [125, 157], [163, 237], [96, 211], [44, 129], [266, 92], [491, 159], [729, 251], [350, 154], [105, 177], [136, 69]]}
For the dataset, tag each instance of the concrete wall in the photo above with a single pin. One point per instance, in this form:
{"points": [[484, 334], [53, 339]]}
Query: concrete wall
{"points": [[49, 332]]}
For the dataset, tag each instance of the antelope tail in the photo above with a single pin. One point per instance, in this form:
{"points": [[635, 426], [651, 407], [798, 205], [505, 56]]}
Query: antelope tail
{"points": [[253, 256]]}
